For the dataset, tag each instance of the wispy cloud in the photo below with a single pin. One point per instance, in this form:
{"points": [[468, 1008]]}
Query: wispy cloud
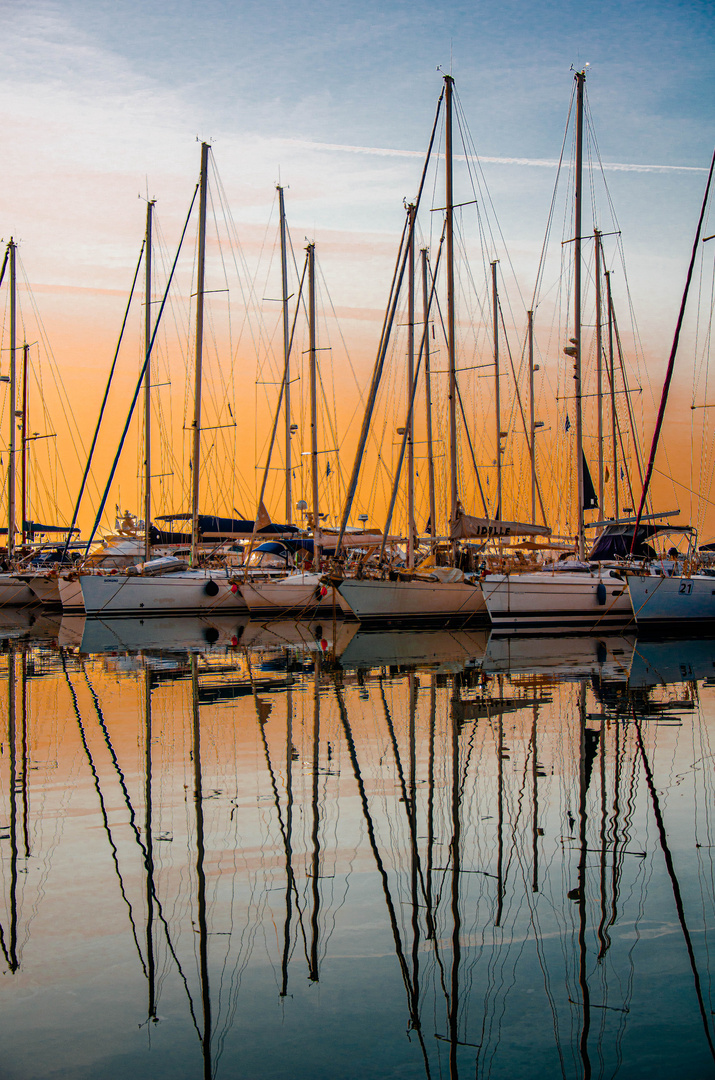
{"points": [[539, 163]]}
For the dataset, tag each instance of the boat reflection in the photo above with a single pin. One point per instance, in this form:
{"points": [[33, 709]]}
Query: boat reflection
{"points": [[28, 624], [566, 658], [429, 853], [134, 635], [448, 650], [657, 663]]}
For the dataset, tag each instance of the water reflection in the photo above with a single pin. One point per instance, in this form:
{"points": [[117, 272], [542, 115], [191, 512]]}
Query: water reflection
{"points": [[238, 850]]}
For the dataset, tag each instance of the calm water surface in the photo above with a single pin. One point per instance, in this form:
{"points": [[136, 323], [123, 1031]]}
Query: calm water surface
{"points": [[292, 852]]}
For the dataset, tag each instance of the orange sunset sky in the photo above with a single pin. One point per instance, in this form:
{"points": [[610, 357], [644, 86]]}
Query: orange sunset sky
{"points": [[103, 106]]}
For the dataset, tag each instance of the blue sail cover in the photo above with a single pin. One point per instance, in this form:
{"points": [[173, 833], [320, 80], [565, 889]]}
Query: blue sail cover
{"points": [[305, 543], [219, 528], [34, 527], [615, 542]]}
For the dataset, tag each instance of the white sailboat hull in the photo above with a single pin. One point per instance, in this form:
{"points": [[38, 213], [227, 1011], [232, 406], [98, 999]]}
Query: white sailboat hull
{"points": [[187, 592], [300, 595], [673, 603], [557, 603], [416, 602]]}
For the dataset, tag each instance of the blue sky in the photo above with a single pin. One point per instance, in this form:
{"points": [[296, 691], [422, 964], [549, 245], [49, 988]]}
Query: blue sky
{"points": [[344, 72], [121, 89]]}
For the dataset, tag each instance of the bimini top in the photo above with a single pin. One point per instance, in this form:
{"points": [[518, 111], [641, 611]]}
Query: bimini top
{"points": [[615, 541]]}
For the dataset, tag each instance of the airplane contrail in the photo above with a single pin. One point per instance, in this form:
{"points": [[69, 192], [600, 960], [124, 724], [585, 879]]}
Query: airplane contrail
{"points": [[539, 163]]}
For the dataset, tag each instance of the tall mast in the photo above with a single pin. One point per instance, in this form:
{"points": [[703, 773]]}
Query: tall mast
{"points": [[611, 371], [23, 449], [451, 345], [147, 383], [497, 397], [532, 416], [599, 369], [410, 384], [428, 396], [578, 197], [286, 356], [196, 449], [13, 391], [313, 397]]}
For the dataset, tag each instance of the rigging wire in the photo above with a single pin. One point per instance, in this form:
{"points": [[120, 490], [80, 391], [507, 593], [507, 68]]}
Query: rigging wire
{"points": [[140, 380], [671, 361], [104, 403]]}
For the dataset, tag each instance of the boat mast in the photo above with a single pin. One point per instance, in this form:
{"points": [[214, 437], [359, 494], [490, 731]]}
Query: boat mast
{"points": [[599, 368], [578, 198], [611, 369], [13, 391], [196, 449], [410, 385], [532, 420], [451, 345], [286, 356], [147, 382], [497, 400], [428, 397], [313, 400], [23, 448]]}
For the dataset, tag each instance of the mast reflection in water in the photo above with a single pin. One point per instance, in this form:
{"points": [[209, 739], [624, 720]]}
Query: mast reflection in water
{"points": [[489, 859]]}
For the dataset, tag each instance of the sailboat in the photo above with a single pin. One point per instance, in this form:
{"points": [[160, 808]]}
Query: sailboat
{"points": [[569, 596], [427, 594], [13, 590], [168, 586], [303, 594], [673, 604], [680, 601]]}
